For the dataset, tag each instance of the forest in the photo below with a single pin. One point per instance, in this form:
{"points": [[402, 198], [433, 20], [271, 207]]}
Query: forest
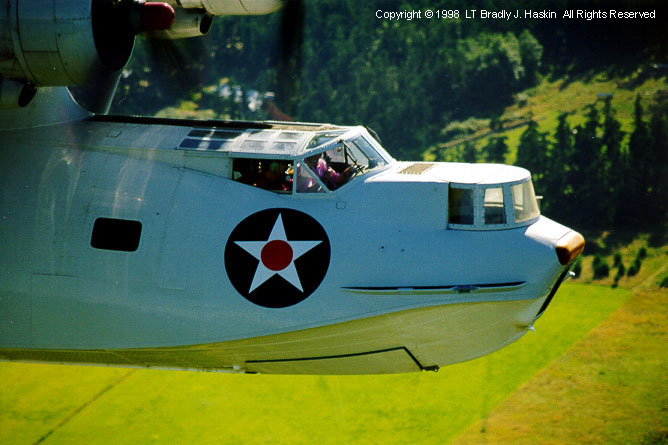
{"points": [[420, 84]]}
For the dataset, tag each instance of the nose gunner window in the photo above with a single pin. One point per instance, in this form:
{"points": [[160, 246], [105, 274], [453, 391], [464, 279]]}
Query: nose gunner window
{"points": [[494, 209], [524, 202], [460, 205]]}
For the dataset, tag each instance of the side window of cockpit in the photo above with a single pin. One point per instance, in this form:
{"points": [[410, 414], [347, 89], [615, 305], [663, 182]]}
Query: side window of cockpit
{"points": [[268, 174], [338, 165], [331, 168], [460, 205], [494, 208], [306, 181]]}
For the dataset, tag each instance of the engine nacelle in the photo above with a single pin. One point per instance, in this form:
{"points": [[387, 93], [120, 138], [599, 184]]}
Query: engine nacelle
{"points": [[230, 7], [63, 42], [188, 23]]}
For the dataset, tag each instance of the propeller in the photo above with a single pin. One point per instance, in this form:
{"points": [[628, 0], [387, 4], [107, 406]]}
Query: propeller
{"points": [[115, 25], [289, 64], [178, 64]]}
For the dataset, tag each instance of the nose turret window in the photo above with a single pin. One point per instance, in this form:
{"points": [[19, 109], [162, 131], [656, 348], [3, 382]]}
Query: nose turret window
{"points": [[460, 204], [491, 207], [494, 209], [525, 205]]}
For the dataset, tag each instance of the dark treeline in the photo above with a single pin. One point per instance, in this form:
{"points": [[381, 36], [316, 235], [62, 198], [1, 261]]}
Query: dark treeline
{"points": [[405, 79], [596, 177]]}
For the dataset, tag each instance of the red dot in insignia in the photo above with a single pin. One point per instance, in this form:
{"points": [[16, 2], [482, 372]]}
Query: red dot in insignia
{"points": [[276, 255]]}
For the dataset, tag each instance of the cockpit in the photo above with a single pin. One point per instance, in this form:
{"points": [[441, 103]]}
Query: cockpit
{"points": [[326, 161], [332, 164]]}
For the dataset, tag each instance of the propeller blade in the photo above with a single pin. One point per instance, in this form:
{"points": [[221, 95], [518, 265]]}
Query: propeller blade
{"points": [[290, 60], [178, 64]]}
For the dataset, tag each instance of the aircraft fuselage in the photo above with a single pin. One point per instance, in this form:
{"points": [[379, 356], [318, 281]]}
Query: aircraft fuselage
{"points": [[134, 242]]}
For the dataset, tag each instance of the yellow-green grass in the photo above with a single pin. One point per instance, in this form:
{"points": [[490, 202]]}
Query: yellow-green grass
{"points": [[609, 388], [65, 404]]}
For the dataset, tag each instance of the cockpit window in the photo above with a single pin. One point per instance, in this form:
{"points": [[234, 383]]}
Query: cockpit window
{"points": [[268, 174], [306, 181], [338, 165], [330, 167], [322, 138], [524, 202], [367, 157]]}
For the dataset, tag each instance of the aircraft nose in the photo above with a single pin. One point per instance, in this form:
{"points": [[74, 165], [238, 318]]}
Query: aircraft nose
{"points": [[569, 247]]}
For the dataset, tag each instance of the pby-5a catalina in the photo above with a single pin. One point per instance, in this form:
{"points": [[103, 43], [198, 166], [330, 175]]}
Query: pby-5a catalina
{"points": [[273, 247]]}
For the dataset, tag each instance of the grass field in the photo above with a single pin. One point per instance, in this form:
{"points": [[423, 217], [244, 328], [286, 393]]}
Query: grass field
{"points": [[618, 394], [66, 404]]}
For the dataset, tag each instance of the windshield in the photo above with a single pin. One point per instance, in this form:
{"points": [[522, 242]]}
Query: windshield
{"points": [[339, 164]]}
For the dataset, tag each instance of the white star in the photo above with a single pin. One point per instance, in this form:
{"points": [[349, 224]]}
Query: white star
{"points": [[275, 257]]}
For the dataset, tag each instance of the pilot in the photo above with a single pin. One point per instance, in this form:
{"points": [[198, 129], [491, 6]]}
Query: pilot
{"points": [[330, 177]]}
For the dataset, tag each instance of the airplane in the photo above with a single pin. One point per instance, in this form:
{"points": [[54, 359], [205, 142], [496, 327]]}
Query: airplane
{"points": [[251, 247]]}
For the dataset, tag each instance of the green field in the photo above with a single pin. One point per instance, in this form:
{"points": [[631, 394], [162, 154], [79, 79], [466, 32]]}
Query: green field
{"points": [[610, 387], [65, 404]]}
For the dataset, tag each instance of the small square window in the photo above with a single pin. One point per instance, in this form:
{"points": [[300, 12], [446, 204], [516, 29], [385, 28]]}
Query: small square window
{"points": [[116, 234], [460, 206]]}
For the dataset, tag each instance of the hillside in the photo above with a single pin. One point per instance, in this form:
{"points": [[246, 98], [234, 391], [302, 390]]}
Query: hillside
{"points": [[551, 97], [559, 97]]}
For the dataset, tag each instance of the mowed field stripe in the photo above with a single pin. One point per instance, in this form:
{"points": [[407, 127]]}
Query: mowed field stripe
{"points": [[609, 388], [87, 403], [178, 407]]}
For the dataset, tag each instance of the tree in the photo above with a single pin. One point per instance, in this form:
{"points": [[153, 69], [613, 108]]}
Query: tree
{"points": [[496, 149], [493, 71], [469, 153], [586, 172], [558, 189], [633, 199], [532, 150], [612, 164], [531, 53], [657, 173]]}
